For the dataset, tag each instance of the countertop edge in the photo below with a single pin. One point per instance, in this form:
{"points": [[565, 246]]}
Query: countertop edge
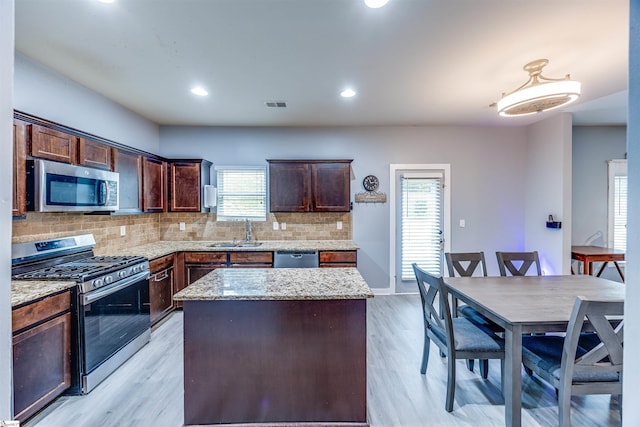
{"points": [[26, 291], [268, 284]]}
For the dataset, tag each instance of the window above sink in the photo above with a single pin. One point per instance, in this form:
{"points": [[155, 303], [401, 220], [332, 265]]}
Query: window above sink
{"points": [[242, 193]]}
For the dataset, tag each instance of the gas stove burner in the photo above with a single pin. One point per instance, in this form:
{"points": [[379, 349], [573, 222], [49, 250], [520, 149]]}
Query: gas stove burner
{"points": [[82, 269], [62, 259]]}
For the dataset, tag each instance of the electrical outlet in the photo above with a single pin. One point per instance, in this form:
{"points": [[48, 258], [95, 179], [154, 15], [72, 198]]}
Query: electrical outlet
{"points": [[8, 423], [275, 225], [182, 226], [463, 223], [123, 230], [283, 225], [339, 225]]}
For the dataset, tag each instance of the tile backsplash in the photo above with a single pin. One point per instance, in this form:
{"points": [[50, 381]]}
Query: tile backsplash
{"points": [[139, 229], [149, 228], [299, 226]]}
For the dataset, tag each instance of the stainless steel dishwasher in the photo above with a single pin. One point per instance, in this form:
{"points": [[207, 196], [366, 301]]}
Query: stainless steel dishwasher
{"points": [[295, 259]]}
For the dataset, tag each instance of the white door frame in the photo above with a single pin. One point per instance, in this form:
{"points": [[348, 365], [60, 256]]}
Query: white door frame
{"points": [[446, 193]]}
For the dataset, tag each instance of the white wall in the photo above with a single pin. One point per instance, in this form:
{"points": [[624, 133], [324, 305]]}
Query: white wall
{"points": [[6, 167], [631, 413], [548, 190], [42, 92], [487, 170], [592, 147]]}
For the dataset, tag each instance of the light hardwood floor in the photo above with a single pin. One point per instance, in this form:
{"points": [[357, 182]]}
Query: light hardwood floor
{"points": [[147, 390]]}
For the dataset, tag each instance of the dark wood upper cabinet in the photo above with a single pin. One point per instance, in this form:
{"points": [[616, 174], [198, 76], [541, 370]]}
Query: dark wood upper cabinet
{"points": [[129, 166], [330, 186], [19, 166], [154, 184], [94, 154], [289, 187], [186, 181], [309, 185], [51, 144]]}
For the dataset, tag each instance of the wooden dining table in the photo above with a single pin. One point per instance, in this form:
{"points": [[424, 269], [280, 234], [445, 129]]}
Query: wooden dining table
{"points": [[527, 304], [590, 254]]}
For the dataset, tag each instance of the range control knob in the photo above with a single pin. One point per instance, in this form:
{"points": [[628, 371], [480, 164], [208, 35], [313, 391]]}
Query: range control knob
{"points": [[97, 283], [136, 268], [108, 280], [122, 274]]}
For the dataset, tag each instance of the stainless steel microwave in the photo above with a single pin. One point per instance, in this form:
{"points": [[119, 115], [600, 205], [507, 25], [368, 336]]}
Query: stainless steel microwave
{"points": [[61, 187]]}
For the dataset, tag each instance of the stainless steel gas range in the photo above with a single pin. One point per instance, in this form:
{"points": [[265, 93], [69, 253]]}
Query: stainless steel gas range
{"points": [[110, 304]]}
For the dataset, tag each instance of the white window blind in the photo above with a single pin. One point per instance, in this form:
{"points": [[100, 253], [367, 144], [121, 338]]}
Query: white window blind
{"points": [[421, 228], [617, 204], [242, 193]]}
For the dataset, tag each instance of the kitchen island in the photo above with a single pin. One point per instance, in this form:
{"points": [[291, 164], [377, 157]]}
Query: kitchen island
{"points": [[276, 347]]}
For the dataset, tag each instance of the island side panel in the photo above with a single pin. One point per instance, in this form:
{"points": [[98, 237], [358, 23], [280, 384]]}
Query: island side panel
{"points": [[275, 361]]}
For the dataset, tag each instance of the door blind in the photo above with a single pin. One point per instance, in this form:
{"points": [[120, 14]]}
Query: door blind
{"points": [[421, 228]]}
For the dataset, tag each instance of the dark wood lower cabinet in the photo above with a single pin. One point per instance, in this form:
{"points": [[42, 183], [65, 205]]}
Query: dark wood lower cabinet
{"points": [[332, 259], [161, 287], [41, 365], [275, 362]]}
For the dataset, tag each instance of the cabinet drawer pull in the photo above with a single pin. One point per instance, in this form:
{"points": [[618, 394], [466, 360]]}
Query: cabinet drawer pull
{"points": [[159, 277]]}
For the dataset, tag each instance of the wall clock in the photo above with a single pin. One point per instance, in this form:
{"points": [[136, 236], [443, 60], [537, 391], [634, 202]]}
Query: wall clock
{"points": [[370, 183]]}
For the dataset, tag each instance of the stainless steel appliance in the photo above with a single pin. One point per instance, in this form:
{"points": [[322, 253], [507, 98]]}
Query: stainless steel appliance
{"points": [[60, 187], [111, 316], [295, 259]]}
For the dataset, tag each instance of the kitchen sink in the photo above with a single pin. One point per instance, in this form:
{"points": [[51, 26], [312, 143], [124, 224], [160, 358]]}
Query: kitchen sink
{"points": [[236, 245], [249, 244]]}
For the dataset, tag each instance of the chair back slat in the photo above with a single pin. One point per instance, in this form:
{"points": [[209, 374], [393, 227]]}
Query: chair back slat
{"points": [[610, 346], [429, 287], [506, 262], [473, 259], [605, 357]]}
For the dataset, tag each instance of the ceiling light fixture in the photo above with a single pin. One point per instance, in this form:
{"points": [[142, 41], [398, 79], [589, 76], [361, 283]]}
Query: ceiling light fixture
{"points": [[374, 4], [106, 1], [199, 91], [539, 93], [348, 93]]}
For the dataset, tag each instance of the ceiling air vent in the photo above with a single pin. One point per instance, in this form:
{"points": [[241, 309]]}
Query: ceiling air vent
{"points": [[276, 104]]}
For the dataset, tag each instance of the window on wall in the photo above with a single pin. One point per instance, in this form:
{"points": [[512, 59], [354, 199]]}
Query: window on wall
{"points": [[242, 193], [617, 204]]}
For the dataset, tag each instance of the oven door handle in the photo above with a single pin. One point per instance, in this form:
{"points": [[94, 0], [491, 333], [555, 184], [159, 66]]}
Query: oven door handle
{"points": [[90, 297]]}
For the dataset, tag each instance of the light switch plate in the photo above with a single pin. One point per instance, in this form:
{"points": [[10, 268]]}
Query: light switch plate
{"points": [[463, 223], [123, 230], [275, 225], [339, 225], [283, 225], [182, 226]]}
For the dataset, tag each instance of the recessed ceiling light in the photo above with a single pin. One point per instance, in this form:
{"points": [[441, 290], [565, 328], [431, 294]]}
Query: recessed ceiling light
{"points": [[106, 1], [348, 93], [374, 4], [200, 91]]}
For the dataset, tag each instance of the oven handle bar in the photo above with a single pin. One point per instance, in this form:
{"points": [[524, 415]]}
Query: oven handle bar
{"points": [[90, 297]]}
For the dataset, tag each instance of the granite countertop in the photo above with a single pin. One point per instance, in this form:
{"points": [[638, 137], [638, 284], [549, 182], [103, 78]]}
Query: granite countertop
{"points": [[24, 291], [277, 284], [166, 247]]}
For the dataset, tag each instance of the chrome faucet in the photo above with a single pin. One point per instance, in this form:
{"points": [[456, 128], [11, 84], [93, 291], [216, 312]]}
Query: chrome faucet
{"points": [[248, 235]]}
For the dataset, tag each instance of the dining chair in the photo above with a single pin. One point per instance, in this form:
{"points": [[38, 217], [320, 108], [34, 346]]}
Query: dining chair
{"points": [[465, 264], [578, 364], [527, 259], [457, 338]]}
